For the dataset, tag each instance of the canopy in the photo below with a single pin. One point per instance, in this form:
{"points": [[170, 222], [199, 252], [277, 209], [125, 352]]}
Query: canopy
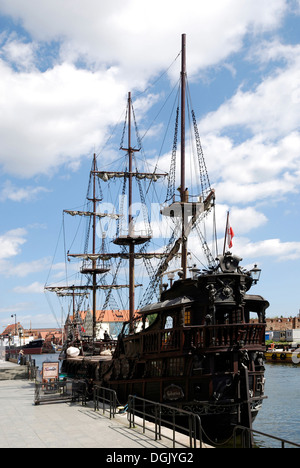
{"points": [[160, 306]]}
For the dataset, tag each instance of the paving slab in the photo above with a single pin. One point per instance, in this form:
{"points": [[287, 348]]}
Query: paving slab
{"points": [[11, 371], [62, 425]]}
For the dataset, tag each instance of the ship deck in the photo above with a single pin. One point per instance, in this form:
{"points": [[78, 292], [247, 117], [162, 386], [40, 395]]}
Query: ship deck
{"points": [[88, 358]]}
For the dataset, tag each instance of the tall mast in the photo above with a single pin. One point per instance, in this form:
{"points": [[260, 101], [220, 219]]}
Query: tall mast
{"points": [[183, 192], [130, 223], [130, 237], [94, 263]]}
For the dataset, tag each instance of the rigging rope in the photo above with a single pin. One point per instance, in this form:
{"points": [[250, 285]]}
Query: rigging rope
{"points": [[172, 172]]}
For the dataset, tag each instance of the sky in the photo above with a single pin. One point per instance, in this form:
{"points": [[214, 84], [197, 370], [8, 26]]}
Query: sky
{"points": [[65, 71]]}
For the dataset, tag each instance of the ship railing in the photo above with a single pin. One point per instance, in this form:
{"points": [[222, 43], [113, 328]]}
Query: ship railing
{"points": [[165, 421], [245, 436], [105, 398], [204, 336], [211, 336], [162, 340]]}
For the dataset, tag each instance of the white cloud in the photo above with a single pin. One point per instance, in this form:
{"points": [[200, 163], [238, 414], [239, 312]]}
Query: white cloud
{"points": [[283, 251], [35, 288], [271, 109], [19, 53], [23, 269], [11, 242], [12, 309], [10, 192], [54, 116], [264, 163], [242, 220], [131, 32]]}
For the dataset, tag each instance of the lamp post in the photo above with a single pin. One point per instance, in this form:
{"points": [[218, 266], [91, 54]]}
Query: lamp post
{"points": [[255, 274], [15, 315]]}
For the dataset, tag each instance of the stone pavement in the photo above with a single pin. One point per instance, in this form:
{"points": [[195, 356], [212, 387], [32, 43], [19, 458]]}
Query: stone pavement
{"points": [[63, 425], [59, 425], [11, 371]]}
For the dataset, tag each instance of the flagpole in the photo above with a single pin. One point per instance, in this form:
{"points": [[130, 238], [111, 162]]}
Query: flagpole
{"points": [[226, 233]]}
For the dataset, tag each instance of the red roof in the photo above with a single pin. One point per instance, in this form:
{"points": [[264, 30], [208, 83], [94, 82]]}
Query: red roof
{"points": [[108, 315], [12, 329]]}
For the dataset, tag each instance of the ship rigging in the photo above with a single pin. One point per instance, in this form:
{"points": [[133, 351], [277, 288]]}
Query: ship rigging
{"points": [[196, 347]]}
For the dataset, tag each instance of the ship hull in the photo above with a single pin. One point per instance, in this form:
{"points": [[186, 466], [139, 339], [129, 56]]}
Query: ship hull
{"points": [[28, 351], [221, 402], [200, 353]]}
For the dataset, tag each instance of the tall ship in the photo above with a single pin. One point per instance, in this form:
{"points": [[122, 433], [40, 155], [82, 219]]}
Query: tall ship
{"points": [[195, 336]]}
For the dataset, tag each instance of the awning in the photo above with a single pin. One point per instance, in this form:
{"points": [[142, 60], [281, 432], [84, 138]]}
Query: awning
{"points": [[172, 303]]}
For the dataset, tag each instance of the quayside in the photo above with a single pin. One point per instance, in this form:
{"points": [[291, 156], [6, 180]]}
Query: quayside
{"points": [[196, 338]]}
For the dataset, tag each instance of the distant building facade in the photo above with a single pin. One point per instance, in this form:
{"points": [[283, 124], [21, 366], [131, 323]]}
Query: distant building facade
{"points": [[110, 321], [17, 335], [281, 323]]}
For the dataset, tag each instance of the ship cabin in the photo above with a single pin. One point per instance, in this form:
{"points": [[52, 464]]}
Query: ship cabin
{"points": [[211, 312]]}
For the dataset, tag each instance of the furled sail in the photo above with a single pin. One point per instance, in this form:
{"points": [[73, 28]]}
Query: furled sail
{"points": [[90, 213], [106, 176], [125, 256]]}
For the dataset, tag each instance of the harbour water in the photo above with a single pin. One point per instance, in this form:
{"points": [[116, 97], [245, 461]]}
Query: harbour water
{"points": [[280, 413]]}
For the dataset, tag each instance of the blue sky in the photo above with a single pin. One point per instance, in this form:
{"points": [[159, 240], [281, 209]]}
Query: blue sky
{"points": [[64, 77]]}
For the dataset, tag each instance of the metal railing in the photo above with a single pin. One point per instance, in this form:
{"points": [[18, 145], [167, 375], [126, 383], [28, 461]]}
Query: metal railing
{"points": [[165, 416], [67, 390], [32, 370], [107, 398], [247, 433]]}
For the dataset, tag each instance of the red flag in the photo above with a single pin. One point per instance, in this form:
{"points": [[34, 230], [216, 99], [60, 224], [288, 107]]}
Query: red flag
{"points": [[230, 236], [82, 329]]}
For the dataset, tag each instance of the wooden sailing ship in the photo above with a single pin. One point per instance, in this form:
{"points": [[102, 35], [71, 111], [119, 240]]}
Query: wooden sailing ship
{"points": [[196, 347]]}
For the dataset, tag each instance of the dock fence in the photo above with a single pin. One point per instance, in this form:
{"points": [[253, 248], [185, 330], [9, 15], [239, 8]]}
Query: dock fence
{"points": [[162, 415], [246, 434], [107, 398], [60, 391]]}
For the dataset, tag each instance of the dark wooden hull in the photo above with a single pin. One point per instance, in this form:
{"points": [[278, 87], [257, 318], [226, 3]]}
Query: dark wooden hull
{"points": [[219, 398], [201, 352]]}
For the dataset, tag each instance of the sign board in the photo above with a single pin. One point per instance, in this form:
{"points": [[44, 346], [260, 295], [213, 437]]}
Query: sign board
{"points": [[50, 370]]}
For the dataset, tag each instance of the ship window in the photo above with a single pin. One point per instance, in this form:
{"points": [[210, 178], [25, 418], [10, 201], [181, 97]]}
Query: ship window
{"points": [[156, 368], [187, 317], [176, 367], [169, 322]]}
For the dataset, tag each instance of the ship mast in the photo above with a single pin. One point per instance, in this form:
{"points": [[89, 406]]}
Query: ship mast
{"points": [[130, 237], [130, 223], [183, 190], [94, 263]]}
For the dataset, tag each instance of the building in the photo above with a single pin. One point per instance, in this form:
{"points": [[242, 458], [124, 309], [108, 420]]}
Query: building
{"points": [[110, 321], [283, 323], [17, 335]]}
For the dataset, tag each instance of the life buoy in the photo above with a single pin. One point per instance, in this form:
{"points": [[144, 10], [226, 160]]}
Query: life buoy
{"points": [[274, 356], [282, 356], [73, 352]]}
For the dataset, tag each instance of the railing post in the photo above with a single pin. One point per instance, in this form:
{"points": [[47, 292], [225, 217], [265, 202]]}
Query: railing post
{"points": [[155, 421], [174, 433], [129, 410], [190, 430], [144, 419]]}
